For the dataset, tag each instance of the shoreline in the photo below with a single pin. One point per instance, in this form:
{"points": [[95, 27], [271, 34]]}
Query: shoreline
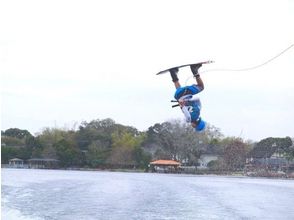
{"points": [[269, 175]]}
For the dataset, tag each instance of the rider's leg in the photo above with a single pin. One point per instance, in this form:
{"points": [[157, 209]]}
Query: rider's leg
{"points": [[194, 69], [173, 74]]}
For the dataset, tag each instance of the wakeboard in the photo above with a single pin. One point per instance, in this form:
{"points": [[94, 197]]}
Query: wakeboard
{"points": [[181, 66]]}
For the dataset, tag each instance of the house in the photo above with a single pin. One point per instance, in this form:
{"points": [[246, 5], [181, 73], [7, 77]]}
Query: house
{"points": [[272, 158], [16, 163], [205, 159], [164, 166], [211, 153]]}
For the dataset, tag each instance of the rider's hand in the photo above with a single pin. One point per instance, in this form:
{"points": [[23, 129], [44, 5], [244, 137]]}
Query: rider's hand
{"points": [[182, 103]]}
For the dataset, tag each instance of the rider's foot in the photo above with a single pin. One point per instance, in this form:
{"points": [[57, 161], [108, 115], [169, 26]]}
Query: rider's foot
{"points": [[194, 68], [173, 73]]}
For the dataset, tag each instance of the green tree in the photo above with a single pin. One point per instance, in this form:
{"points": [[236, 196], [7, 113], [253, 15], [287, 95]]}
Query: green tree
{"points": [[290, 153], [125, 149], [96, 139], [217, 165], [141, 158], [164, 139], [12, 141], [60, 144], [100, 130], [14, 144], [67, 153], [8, 153], [17, 133], [97, 153], [178, 141], [266, 147]]}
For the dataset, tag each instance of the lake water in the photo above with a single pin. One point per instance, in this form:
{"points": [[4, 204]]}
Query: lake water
{"points": [[78, 195]]}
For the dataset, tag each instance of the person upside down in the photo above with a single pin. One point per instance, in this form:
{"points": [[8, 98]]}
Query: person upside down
{"points": [[190, 104]]}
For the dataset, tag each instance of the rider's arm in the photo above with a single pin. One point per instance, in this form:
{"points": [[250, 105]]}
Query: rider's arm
{"points": [[199, 81]]}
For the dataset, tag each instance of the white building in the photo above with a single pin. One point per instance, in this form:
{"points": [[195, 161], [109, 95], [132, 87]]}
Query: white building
{"points": [[205, 159]]}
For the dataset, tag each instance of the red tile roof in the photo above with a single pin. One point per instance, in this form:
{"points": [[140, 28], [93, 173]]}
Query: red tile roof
{"points": [[165, 162]]}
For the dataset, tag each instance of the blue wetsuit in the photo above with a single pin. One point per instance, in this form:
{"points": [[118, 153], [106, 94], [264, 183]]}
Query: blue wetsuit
{"points": [[192, 106]]}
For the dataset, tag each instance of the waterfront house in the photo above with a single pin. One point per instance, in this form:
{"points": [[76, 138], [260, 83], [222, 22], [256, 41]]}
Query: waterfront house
{"points": [[205, 159], [16, 163], [165, 166], [272, 158]]}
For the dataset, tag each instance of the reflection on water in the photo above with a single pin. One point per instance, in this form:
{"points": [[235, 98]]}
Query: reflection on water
{"points": [[55, 194]]}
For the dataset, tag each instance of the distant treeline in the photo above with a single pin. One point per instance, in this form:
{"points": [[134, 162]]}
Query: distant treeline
{"points": [[106, 144]]}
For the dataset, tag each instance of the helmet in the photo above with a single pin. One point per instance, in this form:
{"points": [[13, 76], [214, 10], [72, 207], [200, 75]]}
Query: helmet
{"points": [[200, 125]]}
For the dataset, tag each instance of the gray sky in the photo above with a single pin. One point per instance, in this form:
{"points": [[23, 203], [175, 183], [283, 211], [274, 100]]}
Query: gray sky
{"points": [[65, 61]]}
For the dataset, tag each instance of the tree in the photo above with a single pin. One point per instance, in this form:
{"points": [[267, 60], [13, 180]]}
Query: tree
{"points": [[266, 147], [141, 158], [12, 141], [163, 138], [60, 144], [290, 153], [217, 165], [8, 153], [176, 140], [235, 154], [17, 133], [14, 144], [97, 153], [125, 149], [67, 153], [100, 130], [93, 131]]}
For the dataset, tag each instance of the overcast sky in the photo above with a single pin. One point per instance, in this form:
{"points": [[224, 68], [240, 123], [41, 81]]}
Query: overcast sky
{"points": [[65, 61]]}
